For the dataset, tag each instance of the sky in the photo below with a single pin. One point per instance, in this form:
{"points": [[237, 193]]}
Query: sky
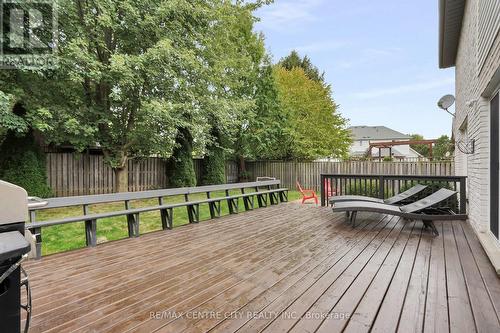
{"points": [[380, 57]]}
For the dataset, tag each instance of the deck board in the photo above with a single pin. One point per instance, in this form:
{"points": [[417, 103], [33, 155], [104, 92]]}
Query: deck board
{"points": [[484, 313], [487, 271], [459, 307], [283, 268], [436, 306], [413, 312], [348, 301], [390, 310]]}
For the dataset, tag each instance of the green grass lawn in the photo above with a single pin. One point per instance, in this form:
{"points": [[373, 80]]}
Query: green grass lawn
{"points": [[72, 236]]}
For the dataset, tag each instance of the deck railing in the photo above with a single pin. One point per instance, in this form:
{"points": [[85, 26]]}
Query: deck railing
{"points": [[266, 192], [384, 186]]}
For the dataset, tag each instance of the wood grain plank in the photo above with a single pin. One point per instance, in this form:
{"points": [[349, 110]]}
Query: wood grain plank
{"points": [[162, 276], [80, 276], [278, 261], [253, 282], [413, 312], [459, 308], [490, 278], [359, 292], [330, 286], [436, 308], [291, 288], [286, 300], [262, 290], [484, 312], [159, 297], [390, 309]]}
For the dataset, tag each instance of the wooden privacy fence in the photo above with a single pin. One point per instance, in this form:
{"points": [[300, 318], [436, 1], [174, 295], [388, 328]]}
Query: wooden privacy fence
{"points": [[308, 173], [83, 174], [71, 174]]}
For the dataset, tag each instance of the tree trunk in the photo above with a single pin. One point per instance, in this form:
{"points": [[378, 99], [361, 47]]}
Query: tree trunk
{"points": [[243, 167], [242, 170], [121, 179]]}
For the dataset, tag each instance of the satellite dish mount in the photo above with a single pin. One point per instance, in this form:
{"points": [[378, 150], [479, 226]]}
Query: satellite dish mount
{"points": [[445, 102]]}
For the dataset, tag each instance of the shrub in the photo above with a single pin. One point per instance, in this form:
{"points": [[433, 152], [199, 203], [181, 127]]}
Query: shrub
{"points": [[214, 167], [28, 171], [357, 188], [22, 163], [244, 176], [180, 170]]}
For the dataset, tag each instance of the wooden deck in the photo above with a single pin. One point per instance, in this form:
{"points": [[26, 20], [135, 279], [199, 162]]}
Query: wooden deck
{"points": [[283, 268]]}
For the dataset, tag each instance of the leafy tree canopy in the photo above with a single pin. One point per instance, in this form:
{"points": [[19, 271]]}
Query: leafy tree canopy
{"points": [[442, 149], [174, 78], [262, 131], [421, 149], [313, 128], [134, 72], [294, 60]]}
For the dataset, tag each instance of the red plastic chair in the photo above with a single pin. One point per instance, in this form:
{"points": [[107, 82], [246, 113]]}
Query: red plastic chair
{"points": [[307, 194]]}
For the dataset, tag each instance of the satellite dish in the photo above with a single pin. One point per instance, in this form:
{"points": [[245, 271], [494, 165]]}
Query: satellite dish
{"points": [[446, 101]]}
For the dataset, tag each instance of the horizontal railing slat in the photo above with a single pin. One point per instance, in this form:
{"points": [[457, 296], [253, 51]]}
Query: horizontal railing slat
{"points": [[142, 209], [265, 191], [112, 197], [383, 186]]}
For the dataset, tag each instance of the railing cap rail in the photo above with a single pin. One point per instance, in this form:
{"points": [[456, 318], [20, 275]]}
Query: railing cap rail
{"points": [[392, 176], [124, 196]]}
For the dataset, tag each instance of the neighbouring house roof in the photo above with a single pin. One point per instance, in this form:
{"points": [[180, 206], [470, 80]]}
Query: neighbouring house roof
{"points": [[451, 13], [417, 154], [376, 133]]}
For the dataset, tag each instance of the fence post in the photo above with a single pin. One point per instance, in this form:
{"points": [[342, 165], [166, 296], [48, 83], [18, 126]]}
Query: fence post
{"points": [[90, 229], [381, 187], [463, 196], [322, 186]]}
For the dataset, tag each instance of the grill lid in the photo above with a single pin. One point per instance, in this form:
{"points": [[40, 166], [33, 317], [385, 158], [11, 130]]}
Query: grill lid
{"points": [[12, 245], [13, 203]]}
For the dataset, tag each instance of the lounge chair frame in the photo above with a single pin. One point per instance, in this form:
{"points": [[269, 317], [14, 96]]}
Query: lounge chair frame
{"points": [[398, 198], [414, 211]]}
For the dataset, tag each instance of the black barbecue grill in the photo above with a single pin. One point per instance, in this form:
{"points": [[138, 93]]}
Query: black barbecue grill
{"points": [[13, 250]]}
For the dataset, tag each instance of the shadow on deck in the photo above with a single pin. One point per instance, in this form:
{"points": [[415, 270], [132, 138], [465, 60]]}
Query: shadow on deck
{"points": [[282, 268]]}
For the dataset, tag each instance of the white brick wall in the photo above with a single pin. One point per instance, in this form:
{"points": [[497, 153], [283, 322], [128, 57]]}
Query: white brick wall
{"points": [[472, 75]]}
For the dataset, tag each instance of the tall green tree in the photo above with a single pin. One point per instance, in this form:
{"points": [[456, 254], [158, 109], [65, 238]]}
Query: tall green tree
{"points": [[9, 121], [235, 95], [421, 149], [443, 148], [294, 60], [127, 70], [263, 131], [138, 78], [314, 128], [180, 166], [21, 160]]}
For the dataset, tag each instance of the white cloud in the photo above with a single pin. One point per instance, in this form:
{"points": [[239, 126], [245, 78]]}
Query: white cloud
{"points": [[317, 47], [284, 13], [369, 56], [413, 87], [376, 52]]}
